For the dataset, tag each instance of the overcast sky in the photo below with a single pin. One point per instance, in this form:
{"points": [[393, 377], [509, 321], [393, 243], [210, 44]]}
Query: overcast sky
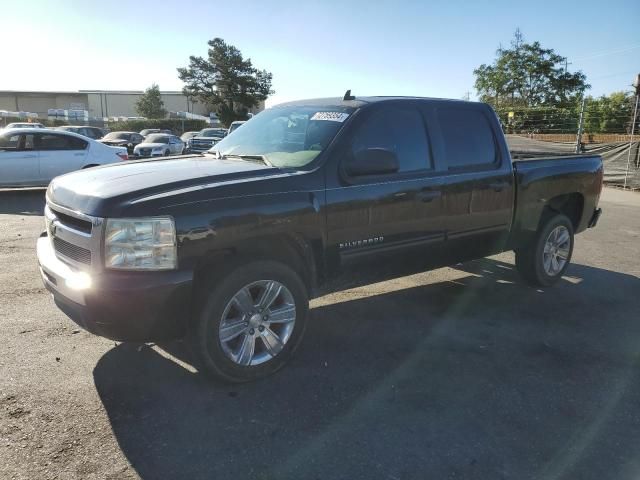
{"points": [[313, 48]]}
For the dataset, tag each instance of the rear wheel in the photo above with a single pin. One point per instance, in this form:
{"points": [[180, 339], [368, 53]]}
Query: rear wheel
{"points": [[545, 259], [251, 322]]}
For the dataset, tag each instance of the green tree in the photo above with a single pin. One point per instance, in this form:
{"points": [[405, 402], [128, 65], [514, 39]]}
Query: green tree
{"points": [[225, 81], [609, 113], [150, 104], [527, 75]]}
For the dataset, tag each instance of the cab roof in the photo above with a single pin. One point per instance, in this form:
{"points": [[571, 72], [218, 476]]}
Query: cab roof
{"points": [[358, 102]]}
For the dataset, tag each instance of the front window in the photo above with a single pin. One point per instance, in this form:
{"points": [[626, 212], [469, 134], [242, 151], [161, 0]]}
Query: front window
{"points": [[286, 137], [9, 142], [156, 138]]}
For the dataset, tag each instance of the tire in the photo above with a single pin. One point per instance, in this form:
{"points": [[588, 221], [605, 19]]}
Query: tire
{"points": [[167, 153], [545, 259], [223, 356]]}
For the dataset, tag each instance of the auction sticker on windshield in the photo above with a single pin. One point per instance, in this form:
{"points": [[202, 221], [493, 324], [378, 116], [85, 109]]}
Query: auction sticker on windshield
{"points": [[330, 116]]}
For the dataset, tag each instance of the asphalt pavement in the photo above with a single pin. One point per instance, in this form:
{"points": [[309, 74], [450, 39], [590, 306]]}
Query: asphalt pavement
{"points": [[462, 372]]}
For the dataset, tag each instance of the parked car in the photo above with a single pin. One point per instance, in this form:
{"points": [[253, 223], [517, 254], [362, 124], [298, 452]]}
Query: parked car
{"points": [[205, 139], [149, 131], [227, 252], [123, 139], [236, 124], [32, 157], [24, 125], [187, 135], [159, 145], [91, 132]]}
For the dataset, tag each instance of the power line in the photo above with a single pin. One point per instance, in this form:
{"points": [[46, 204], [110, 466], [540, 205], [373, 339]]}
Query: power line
{"points": [[610, 52]]}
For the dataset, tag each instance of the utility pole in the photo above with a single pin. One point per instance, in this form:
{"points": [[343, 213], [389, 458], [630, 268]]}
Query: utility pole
{"points": [[580, 125], [634, 120], [566, 65]]}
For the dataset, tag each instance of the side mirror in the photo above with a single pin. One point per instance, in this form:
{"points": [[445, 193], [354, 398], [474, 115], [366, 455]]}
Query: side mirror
{"points": [[372, 161]]}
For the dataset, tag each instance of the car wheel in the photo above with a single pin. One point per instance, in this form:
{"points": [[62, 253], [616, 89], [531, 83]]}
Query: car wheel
{"points": [[545, 259], [167, 153], [251, 322]]}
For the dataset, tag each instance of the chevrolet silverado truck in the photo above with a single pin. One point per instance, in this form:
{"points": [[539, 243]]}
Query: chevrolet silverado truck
{"points": [[225, 249]]}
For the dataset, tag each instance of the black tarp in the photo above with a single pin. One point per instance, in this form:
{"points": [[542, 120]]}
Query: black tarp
{"points": [[614, 156]]}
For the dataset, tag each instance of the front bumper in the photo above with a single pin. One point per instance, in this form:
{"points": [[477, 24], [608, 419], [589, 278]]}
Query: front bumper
{"points": [[123, 306], [595, 217]]}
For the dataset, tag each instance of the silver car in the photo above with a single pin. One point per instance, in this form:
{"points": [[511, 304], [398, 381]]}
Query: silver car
{"points": [[159, 145]]}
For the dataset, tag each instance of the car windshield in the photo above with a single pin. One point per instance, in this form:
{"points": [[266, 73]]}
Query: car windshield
{"points": [[213, 132], [117, 136], [286, 137], [157, 138]]}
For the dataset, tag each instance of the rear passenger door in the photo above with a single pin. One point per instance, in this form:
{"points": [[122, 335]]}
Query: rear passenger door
{"points": [[59, 154], [385, 213], [478, 193]]}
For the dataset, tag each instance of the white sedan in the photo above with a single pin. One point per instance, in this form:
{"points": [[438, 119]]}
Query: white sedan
{"points": [[32, 157], [159, 145]]}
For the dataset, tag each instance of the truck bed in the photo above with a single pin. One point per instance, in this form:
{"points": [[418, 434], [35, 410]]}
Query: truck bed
{"points": [[570, 178]]}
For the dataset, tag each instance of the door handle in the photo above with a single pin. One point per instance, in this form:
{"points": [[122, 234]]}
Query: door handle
{"points": [[428, 195], [498, 186]]}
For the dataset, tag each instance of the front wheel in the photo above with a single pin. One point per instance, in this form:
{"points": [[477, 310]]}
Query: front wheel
{"points": [[544, 260], [251, 322], [166, 153]]}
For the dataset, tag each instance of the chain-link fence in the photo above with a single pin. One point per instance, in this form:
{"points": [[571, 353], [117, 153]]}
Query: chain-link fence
{"points": [[598, 127]]}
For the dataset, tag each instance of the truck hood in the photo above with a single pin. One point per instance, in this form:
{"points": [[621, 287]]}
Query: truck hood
{"points": [[104, 191], [212, 139]]}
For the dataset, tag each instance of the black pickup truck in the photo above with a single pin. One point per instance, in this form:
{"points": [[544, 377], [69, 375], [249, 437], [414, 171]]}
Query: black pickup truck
{"points": [[225, 249]]}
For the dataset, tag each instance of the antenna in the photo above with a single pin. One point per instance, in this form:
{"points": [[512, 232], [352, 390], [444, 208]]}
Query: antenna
{"points": [[348, 96]]}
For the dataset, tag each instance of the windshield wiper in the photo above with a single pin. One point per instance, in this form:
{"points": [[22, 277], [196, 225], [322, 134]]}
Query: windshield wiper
{"points": [[260, 158]]}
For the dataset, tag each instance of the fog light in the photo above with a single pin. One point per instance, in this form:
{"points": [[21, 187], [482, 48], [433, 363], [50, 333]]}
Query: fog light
{"points": [[79, 281]]}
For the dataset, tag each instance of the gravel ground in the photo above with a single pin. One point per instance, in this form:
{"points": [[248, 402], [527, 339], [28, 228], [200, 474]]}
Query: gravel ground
{"points": [[462, 372]]}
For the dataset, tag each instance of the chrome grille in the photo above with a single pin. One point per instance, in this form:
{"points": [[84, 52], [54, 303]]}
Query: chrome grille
{"points": [[72, 222], [71, 251], [76, 237]]}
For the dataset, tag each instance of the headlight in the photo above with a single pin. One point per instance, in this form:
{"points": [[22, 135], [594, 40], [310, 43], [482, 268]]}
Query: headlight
{"points": [[140, 244]]}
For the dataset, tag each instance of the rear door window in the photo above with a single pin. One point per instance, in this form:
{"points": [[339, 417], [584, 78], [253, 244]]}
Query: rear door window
{"points": [[467, 136], [400, 130], [49, 142]]}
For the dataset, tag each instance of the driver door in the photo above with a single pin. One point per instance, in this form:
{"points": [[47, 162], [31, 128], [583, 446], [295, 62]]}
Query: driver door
{"points": [[386, 213], [18, 161]]}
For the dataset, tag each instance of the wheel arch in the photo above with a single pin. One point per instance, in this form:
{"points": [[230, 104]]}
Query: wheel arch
{"points": [[302, 255], [570, 204]]}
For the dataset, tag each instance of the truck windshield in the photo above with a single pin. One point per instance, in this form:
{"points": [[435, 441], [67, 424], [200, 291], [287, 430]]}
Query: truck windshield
{"points": [[216, 132], [287, 137]]}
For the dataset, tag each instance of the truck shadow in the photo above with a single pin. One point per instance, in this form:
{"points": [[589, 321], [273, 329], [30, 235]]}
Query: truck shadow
{"points": [[477, 377], [28, 201]]}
